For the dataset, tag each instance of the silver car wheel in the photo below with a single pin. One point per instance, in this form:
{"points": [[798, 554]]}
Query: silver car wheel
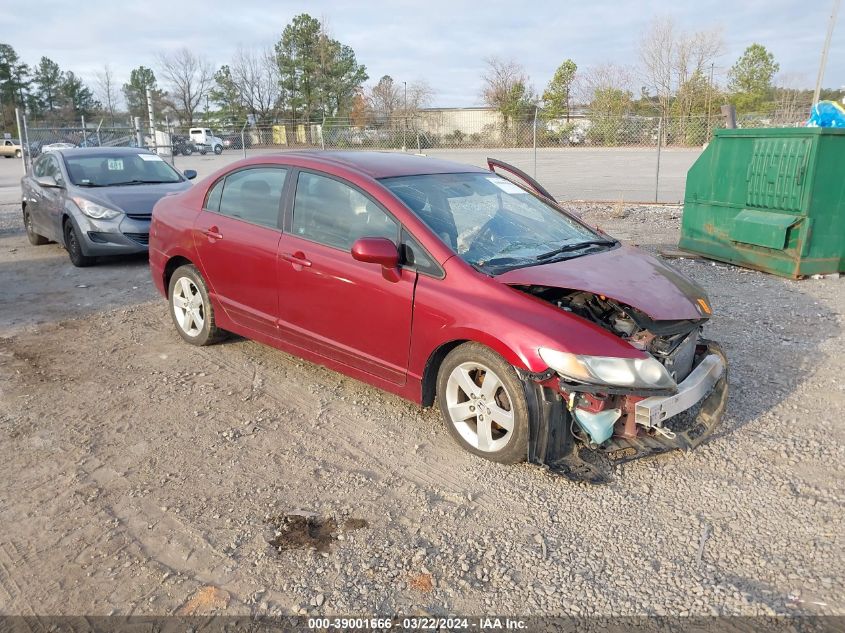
{"points": [[480, 408], [188, 307]]}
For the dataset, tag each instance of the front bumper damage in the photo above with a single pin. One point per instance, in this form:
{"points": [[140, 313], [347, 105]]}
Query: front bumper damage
{"points": [[648, 427]]}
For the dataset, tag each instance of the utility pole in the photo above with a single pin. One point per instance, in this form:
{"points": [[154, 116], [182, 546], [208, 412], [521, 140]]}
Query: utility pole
{"points": [[825, 50]]}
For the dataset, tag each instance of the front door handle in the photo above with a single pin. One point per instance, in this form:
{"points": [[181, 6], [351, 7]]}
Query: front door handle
{"points": [[213, 233], [297, 259]]}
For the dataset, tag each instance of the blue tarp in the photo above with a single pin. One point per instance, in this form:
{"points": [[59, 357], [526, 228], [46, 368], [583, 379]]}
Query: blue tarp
{"points": [[827, 114]]}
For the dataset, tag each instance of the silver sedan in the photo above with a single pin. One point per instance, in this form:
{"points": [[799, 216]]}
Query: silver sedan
{"points": [[96, 201]]}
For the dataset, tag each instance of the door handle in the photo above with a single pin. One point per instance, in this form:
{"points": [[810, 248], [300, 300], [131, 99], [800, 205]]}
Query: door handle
{"points": [[297, 259], [213, 233]]}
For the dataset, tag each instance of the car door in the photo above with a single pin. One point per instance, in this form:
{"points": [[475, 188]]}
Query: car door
{"points": [[236, 236], [340, 308], [46, 204]]}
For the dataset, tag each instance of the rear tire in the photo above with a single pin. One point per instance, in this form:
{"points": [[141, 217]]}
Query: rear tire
{"points": [[191, 308], [17, 153], [483, 404], [34, 238], [73, 244]]}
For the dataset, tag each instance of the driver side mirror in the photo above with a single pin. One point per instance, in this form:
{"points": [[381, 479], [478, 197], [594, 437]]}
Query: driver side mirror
{"points": [[190, 174], [48, 181], [378, 250]]}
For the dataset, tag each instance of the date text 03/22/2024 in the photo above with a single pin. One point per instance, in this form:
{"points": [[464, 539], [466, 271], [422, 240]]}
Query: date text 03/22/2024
{"points": [[419, 623]]}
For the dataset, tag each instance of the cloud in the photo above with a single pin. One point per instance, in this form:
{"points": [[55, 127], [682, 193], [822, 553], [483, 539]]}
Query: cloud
{"points": [[444, 43]]}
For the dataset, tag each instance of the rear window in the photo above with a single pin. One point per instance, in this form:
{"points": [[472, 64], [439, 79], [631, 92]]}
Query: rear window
{"points": [[109, 170]]}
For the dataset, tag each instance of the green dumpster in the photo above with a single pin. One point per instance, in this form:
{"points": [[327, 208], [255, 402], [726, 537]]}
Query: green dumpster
{"points": [[770, 199]]}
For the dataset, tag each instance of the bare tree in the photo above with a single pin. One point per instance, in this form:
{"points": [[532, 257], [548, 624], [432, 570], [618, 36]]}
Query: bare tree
{"points": [[384, 99], [108, 91], [792, 100], [506, 88], [389, 98], [189, 77], [255, 73], [420, 94], [675, 62], [658, 49], [605, 77]]}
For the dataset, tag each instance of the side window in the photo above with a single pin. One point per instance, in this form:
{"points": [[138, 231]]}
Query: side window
{"points": [[212, 200], [414, 256], [253, 195], [47, 166], [335, 214], [38, 167]]}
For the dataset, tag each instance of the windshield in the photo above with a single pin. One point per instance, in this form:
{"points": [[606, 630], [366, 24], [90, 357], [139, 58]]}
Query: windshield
{"points": [[112, 170], [491, 223]]}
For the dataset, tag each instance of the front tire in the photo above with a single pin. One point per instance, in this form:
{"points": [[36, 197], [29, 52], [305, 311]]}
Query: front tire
{"points": [[73, 244], [483, 404], [34, 238], [191, 309], [218, 149]]}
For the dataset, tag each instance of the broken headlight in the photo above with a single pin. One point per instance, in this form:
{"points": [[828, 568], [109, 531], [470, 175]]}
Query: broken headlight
{"points": [[646, 372]]}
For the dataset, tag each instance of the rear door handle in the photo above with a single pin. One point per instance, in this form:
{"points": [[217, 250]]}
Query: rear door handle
{"points": [[297, 259], [213, 233]]}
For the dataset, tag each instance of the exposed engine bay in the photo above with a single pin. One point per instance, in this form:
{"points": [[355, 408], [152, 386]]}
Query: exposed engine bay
{"points": [[671, 342], [620, 424]]}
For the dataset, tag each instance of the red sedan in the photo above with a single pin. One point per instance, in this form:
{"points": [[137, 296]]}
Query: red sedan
{"points": [[533, 333]]}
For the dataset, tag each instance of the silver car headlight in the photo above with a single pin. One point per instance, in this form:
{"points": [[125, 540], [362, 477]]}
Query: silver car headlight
{"points": [[608, 370], [94, 210]]}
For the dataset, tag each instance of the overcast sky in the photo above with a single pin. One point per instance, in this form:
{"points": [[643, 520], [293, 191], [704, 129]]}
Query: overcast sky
{"points": [[442, 42]]}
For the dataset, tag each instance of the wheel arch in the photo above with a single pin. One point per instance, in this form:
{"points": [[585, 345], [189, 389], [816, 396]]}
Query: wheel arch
{"points": [[435, 359], [170, 267]]}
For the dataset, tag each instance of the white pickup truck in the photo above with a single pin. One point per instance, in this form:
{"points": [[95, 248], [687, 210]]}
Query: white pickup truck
{"points": [[204, 140]]}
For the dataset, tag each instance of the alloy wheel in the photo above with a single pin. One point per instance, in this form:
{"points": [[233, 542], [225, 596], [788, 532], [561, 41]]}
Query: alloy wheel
{"points": [[480, 408], [188, 307]]}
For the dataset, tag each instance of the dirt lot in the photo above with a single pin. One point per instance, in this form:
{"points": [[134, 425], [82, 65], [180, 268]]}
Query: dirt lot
{"points": [[141, 475]]}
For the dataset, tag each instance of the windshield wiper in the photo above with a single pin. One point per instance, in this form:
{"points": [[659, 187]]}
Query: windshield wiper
{"points": [[141, 182], [568, 248]]}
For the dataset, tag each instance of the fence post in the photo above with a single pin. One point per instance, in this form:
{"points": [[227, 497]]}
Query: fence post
{"points": [[27, 154], [24, 148], [84, 132], [323, 133], [151, 114], [657, 171], [243, 137], [139, 139], [535, 142]]}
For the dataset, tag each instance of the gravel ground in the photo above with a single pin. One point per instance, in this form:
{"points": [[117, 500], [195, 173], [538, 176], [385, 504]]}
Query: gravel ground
{"points": [[139, 475]]}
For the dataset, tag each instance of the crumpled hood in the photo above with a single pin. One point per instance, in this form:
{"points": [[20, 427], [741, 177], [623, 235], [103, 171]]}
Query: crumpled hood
{"points": [[136, 199], [626, 274]]}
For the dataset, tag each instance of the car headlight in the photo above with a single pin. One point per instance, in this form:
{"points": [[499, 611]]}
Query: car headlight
{"points": [[608, 370], [94, 210]]}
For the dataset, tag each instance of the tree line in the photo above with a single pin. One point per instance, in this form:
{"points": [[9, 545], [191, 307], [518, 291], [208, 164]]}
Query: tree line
{"points": [[308, 75], [676, 77]]}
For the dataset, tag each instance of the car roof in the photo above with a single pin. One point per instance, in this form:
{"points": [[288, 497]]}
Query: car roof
{"points": [[387, 164], [116, 151]]}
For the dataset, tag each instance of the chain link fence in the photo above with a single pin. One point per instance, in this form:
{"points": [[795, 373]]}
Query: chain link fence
{"points": [[432, 131]]}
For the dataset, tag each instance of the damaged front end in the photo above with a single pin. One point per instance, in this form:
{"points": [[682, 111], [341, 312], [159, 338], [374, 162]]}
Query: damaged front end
{"points": [[581, 427]]}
